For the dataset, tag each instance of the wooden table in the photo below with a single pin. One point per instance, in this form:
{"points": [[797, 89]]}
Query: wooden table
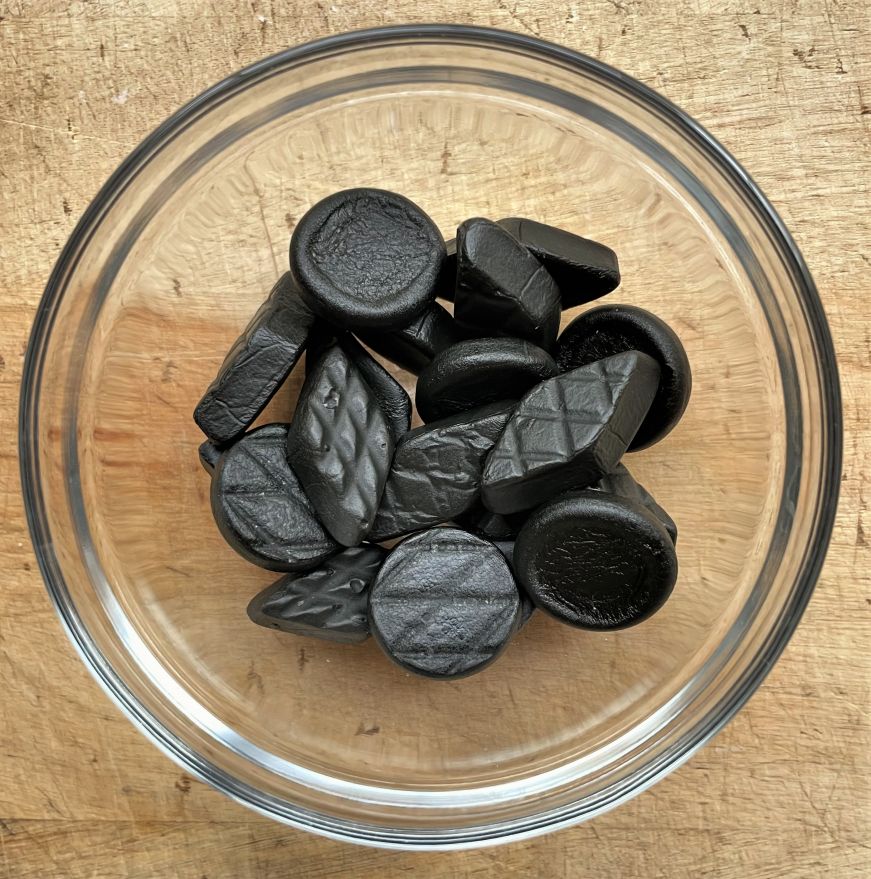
{"points": [[784, 790]]}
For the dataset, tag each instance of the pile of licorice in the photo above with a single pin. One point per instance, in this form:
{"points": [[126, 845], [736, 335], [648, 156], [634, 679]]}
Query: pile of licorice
{"points": [[510, 497]]}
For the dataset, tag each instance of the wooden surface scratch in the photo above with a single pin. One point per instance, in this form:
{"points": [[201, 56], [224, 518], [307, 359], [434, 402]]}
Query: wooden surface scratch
{"points": [[784, 790]]}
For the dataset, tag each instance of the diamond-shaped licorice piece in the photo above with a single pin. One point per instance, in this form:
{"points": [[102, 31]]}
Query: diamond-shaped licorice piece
{"points": [[502, 288], [595, 561], [340, 447], [436, 471], [392, 397], [569, 431], [444, 604], [330, 602], [209, 456], [447, 287], [622, 484], [583, 269], [254, 368], [367, 258], [414, 346], [478, 371], [610, 329], [485, 523], [261, 508]]}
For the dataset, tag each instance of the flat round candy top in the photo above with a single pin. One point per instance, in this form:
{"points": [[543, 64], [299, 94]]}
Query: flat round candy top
{"points": [[612, 329], [261, 508], [367, 258], [474, 372], [444, 604], [595, 561]]}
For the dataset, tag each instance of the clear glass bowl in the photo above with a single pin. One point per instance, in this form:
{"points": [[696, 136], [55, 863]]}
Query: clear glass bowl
{"points": [[175, 254]]}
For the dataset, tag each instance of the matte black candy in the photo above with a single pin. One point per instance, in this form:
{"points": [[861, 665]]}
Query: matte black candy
{"points": [[340, 447], [611, 329], [485, 523], [583, 269], [392, 397], [257, 364], [414, 346], [622, 484], [478, 371], [209, 455], [444, 604], [595, 561], [527, 605], [569, 431], [436, 472], [502, 287], [367, 258], [261, 508], [331, 602]]}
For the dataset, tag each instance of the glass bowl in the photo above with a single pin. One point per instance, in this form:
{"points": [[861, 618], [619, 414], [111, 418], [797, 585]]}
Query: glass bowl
{"points": [[175, 254]]}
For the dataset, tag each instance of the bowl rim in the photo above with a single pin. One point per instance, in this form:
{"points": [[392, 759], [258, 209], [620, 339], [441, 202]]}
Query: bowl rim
{"points": [[486, 834]]}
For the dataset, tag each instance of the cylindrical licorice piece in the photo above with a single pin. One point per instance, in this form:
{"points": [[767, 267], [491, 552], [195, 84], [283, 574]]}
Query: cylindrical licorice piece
{"points": [[622, 484], [367, 258], [610, 329], [595, 561], [478, 371], [444, 604]]}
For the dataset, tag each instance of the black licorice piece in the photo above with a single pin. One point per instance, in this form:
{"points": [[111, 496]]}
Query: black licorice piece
{"points": [[478, 371], [527, 605], [340, 447], [447, 288], [414, 346], [261, 508], [485, 523], [330, 602], [392, 397], [436, 471], [367, 258], [569, 431], [209, 456], [595, 561], [257, 364], [622, 484], [502, 288], [611, 329], [583, 269], [444, 604]]}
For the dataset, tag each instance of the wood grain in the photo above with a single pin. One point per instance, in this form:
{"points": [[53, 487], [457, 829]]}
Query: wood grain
{"points": [[784, 790]]}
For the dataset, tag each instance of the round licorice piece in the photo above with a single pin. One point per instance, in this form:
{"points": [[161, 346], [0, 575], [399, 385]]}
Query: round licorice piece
{"points": [[444, 604], [261, 508], [611, 329], [595, 561], [478, 371], [367, 258]]}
